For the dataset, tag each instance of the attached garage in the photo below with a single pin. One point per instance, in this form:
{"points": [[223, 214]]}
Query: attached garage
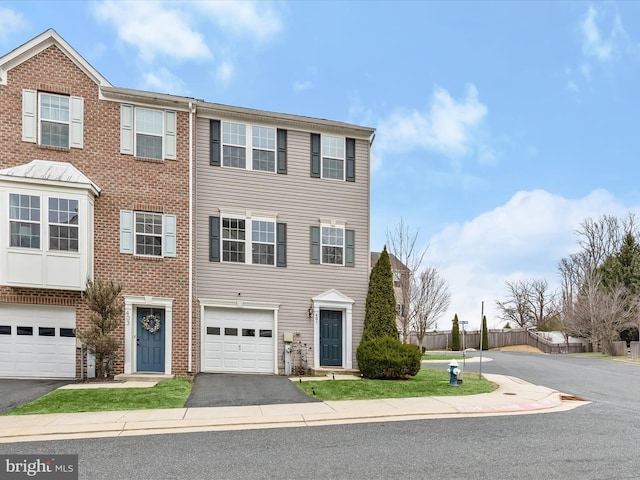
{"points": [[238, 340], [37, 341]]}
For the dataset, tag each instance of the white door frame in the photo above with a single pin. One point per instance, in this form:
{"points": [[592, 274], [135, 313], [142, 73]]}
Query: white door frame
{"points": [[239, 304], [131, 304], [334, 300]]}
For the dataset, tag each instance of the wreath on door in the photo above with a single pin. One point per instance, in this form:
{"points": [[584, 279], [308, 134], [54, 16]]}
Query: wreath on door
{"points": [[151, 323]]}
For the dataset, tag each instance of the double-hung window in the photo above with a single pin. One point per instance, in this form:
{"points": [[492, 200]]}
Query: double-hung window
{"points": [[249, 147], [332, 245], [25, 214], [52, 119], [333, 157], [148, 133], [148, 234], [24, 220], [256, 241], [63, 224]]}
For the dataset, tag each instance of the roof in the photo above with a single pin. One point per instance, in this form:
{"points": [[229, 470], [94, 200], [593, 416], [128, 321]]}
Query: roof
{"points": [[43, 41], [396, 264], [51, 172]]}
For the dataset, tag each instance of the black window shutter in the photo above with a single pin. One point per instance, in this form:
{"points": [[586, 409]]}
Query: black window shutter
{"points": [[351, 160], [281, 241], [214, 239], [315, 244], [349, 248], [282, 151], [214, 148], [315, 155]]}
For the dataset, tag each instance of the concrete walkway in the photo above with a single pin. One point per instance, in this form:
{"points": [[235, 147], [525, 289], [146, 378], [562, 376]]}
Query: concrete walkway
{"points": [[514, 396]]}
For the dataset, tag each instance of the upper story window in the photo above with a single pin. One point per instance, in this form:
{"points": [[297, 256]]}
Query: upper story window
{"points": [[51, 119], [332, 245], [54, 120], [148, 133], [249, 147], [333, 157], [24, 221], [257, 241], [148, 234], [63, 224]]}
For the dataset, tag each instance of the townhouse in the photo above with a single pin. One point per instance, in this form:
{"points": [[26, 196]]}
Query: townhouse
{"points": [[236, 231]]}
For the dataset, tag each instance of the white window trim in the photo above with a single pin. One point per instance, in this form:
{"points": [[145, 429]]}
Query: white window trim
{"points": [[41, 119], [135, 234], [44, 222], [322, 244], [248, 238], [136, 131], [248, 146], [323, 156]]}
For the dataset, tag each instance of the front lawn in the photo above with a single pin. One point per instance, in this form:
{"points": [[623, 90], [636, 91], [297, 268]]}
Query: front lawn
{"points": [[446, 356], [427, 383], [166, 394]]}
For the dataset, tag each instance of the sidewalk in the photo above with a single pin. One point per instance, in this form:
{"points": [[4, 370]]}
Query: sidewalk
{"points": [[514, 396]]}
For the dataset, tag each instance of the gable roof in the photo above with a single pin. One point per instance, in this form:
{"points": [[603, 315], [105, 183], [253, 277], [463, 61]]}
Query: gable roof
{"points": [[396, 264], [45, 171], [43, 41]]}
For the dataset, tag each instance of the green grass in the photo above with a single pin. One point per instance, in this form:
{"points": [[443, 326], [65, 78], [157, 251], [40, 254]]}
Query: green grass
{"points": [[449, 356], [427, 383], [600, 355], [166, 394]]}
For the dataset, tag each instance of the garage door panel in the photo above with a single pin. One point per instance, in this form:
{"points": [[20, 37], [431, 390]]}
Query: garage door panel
{"points": [[233, 343], [43, 352]]}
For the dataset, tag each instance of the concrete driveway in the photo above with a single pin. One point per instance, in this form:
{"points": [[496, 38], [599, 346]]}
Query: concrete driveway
{"points": [[228, 389], [16, 392]]}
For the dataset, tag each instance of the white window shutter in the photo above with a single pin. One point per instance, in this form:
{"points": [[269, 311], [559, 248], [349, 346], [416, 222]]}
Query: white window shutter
{"points": [[126, 129], [170, 135], [29, 108], [170, 235], [76, 137], [126, 231]]}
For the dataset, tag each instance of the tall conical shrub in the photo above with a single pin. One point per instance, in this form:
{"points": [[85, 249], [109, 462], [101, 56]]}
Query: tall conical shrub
{"points": [[455, 334], [485, 334], [380, 312]]}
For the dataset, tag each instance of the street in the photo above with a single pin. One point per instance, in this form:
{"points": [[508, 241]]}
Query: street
{"points": [[596, 441]]}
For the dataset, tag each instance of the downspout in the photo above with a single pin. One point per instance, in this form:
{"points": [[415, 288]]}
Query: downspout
{"points": [[192, 111]]}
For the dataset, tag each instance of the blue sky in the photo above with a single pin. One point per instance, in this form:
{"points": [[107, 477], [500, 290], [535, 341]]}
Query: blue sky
{"points": [[500, 125]]}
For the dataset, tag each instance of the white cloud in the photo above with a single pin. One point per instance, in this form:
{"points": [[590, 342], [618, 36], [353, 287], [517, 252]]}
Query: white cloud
{"points": [[165, 82], [448, 127], [603, 47], [524, 238], [225, 72], [155, 29], [302, 86], [247, 18], [10, 21]]}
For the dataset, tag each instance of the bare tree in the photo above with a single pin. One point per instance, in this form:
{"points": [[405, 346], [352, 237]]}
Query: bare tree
{"points": [[431, 298], [402, 244], [601, 313], [529, 303]]}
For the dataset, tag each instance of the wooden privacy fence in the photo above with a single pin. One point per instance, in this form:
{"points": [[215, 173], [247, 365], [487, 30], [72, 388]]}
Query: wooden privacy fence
{"points": [[498, 338]]}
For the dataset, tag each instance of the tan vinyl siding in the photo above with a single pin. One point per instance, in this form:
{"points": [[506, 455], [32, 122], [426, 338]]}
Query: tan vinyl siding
{"points": [[299, 201]]}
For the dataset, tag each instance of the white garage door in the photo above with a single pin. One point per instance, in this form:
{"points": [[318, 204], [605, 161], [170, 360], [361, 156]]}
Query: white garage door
{"points": [[238, 340], [37, 341]]}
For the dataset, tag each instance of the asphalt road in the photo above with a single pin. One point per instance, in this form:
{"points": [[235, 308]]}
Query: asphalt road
{"points": [[597, 441], [16, 392]]}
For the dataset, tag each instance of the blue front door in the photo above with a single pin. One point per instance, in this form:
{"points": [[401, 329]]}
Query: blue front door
{"points": [[330, 338], [150, 349]]}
